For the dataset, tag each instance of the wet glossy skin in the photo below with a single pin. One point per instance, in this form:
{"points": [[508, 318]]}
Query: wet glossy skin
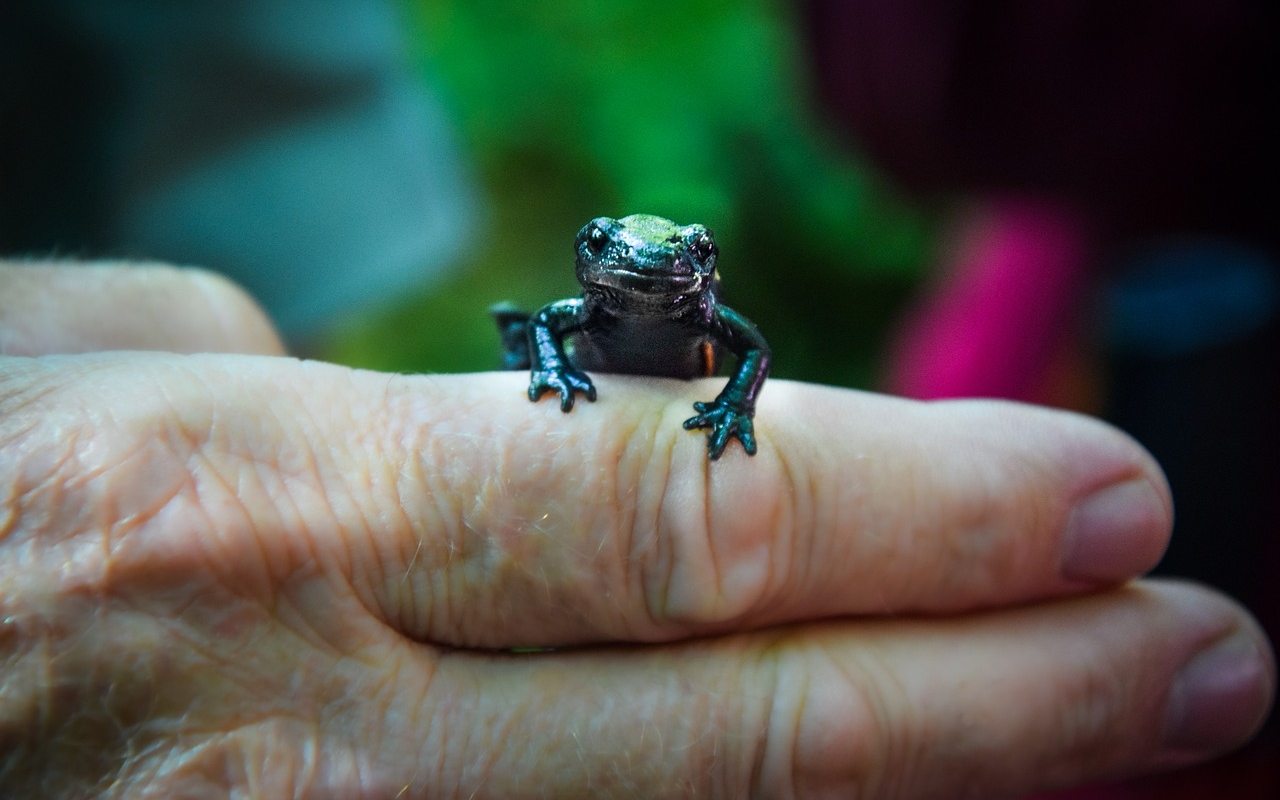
{"points": [[649, 306]]}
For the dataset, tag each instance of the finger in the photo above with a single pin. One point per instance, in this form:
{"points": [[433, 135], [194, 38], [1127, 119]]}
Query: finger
{"points": [[616, 527], [464, 514], [58, 308], [1007, 703]]}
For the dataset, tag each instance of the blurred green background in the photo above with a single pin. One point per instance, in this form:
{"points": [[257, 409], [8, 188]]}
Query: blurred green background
{"points": [[575, 109]]}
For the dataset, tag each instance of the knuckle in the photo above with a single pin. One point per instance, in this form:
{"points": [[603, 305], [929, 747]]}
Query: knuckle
{"points": [[44, 441], [27, 387], [829, 731], [97, 458], [1090, 705], [719, 552], [993, 519]]}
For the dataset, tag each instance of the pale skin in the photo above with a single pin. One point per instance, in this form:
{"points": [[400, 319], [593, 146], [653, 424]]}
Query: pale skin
{"points": [[238, 572]]}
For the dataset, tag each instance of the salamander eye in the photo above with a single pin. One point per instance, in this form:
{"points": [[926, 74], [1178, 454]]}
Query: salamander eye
{"points": [[704, 247], [597, 239]]}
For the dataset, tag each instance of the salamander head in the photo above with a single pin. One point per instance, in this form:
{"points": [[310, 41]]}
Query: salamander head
{"points": [[645, 255]]}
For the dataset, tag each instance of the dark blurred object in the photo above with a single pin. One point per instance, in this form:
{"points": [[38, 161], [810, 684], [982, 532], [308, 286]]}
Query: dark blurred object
{"points": [[289, 144], [1155, 115], [1151, 127], [1194, 372]]}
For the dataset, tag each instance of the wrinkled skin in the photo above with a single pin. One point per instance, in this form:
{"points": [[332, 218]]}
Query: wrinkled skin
{"points": [[237, 572]]}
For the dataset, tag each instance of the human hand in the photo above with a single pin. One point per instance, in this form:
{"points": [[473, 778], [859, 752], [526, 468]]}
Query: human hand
{"points": [[232, 572]]}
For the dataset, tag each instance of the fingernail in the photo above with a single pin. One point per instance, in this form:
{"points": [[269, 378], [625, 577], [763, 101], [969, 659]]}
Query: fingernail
{"points": [[1115, 533], [1218, 698]]}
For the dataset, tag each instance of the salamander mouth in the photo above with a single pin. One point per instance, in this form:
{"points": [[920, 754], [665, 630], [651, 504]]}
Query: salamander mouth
{"points": [[643, 282]]}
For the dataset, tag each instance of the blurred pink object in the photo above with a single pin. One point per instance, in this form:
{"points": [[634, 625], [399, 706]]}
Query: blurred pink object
{"points": [[1004, 308]]}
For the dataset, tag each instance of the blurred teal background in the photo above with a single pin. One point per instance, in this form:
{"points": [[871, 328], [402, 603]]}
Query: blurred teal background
{"points": [[575, 109]]}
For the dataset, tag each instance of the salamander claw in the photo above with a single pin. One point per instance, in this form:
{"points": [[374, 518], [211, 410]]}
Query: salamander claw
{"points": [[725, 421], [563, 381]]}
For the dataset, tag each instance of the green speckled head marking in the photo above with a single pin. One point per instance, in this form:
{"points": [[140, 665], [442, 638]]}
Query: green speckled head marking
{"points": [[652, 228], [645, 254]]}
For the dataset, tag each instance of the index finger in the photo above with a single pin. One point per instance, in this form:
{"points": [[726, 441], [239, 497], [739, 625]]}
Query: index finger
{"points": [[459, 512], [612, 524]]}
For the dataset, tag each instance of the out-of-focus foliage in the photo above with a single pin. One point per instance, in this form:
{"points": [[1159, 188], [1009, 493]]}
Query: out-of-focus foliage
{"points": [[698, 112]]}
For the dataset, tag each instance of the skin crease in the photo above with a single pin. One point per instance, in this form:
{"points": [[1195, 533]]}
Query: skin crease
{"points": [[244, 573]]}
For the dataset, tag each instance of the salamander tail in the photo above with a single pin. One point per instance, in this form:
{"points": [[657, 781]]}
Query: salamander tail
{"points": [[512, 327]]}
